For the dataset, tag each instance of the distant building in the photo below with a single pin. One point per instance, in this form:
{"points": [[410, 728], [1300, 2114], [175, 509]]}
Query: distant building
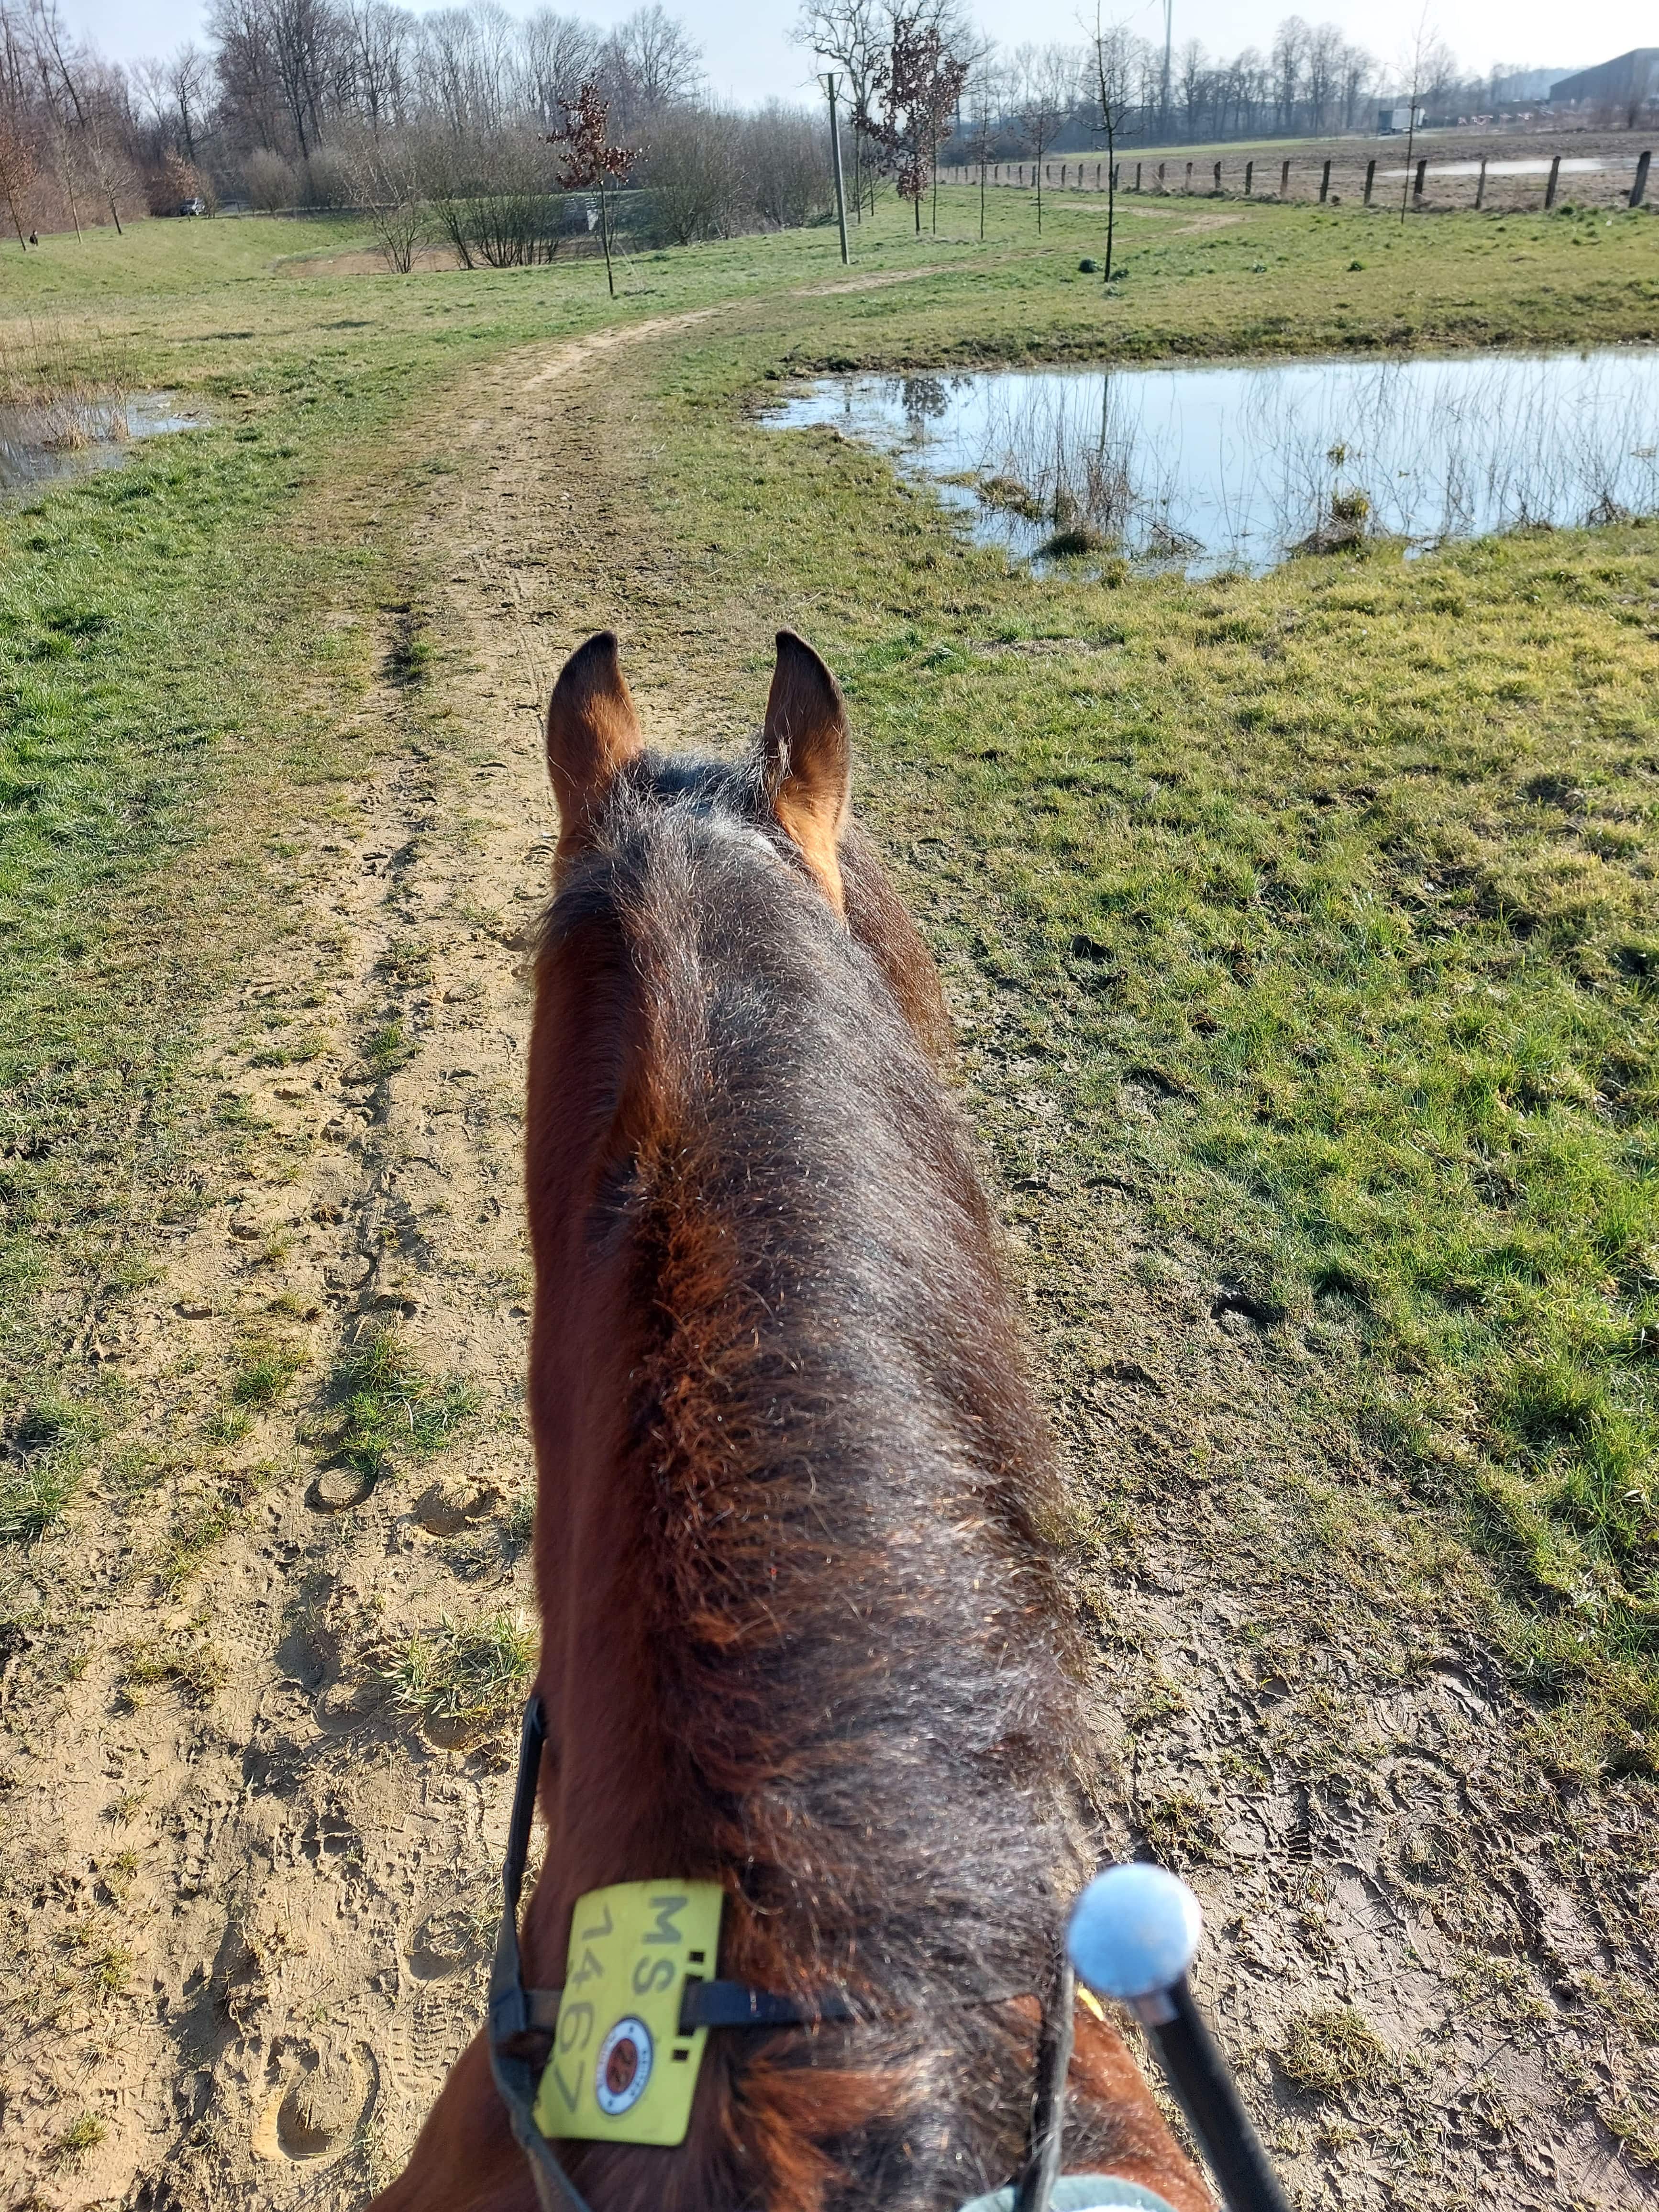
{"points": [[1391, 119], [1510, 85], [1628, 84]]}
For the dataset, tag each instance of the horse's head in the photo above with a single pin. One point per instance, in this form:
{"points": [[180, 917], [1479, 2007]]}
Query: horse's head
{"points": [[791, 793]]}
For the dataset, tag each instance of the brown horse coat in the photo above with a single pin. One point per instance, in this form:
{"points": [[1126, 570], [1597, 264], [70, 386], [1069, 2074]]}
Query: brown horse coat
{"points": [[802, 1631]]}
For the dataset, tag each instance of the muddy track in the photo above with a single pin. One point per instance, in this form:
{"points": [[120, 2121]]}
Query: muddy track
{"points": [[251, 1894]]}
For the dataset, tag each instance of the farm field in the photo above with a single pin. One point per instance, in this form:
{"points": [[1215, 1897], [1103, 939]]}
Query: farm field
{"points": [[1597, 167], [1300, 935]]}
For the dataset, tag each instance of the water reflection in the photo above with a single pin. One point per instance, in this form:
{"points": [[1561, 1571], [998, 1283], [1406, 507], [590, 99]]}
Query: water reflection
{"points": [[1241, 465], [60, 436]]}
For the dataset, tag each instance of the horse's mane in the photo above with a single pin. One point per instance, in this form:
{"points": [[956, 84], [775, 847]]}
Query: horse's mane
{"points": [[867, 1681]]}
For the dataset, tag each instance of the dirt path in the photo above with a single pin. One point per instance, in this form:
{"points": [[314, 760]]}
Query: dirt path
{"points": [[252, 1893]]}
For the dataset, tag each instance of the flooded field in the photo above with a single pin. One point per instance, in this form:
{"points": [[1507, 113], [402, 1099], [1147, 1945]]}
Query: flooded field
{"points": [[1244, 465], [40, 440]]}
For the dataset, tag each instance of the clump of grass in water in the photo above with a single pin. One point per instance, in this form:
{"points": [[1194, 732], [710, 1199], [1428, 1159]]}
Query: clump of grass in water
{"points": [[464, 1674], [390, 1405], [46, 1451], [66, 404]]}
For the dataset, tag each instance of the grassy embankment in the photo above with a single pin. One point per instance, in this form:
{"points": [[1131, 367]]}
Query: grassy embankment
{"points": [[1348, 870]]}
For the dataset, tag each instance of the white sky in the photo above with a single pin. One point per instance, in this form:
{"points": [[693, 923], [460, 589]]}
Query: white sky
{"points": [[749, 56]]}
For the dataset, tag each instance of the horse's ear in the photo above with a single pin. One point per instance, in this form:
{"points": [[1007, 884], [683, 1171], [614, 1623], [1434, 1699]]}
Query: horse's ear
{"points": [[593, 732], [808, 759]]}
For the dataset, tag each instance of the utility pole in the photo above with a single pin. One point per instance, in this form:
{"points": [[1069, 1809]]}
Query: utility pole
{"points": [[831, 84]]}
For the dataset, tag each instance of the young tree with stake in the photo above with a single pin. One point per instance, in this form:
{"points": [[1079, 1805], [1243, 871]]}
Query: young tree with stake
{"points": [[1111, 62], [1048, 98], [593, 161], [920, 81]]}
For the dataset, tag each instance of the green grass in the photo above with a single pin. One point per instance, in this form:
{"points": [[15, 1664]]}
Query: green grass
{"points": [[1322, 904], [268, 1365], [390, 1407], [45, 1455], [467, 1672]]}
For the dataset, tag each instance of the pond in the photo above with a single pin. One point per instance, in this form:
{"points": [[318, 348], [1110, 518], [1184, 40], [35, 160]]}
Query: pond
{"points": [[64, 435], [1240, 465]]}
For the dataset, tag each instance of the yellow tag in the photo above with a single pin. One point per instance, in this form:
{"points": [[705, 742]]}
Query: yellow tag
{"points": [[620, 2070]]}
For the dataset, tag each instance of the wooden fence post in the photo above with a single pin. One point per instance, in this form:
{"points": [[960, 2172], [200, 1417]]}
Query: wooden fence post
{"points": [[1284, 181], [1116, 167], [1190, 177], [1422, 171], [1638, 190], [1480, 187], [1217, 176], [1137, 176], [1371, 179], [1324, 184], [1549, 189], [1249, 177]]}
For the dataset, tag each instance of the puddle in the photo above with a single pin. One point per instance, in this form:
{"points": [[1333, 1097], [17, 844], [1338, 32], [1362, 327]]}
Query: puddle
{"points": [[1242, 465], [66, 437]]}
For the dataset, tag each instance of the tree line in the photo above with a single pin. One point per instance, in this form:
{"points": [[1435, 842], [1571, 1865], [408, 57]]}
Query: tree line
{"points": [[464, 123]]}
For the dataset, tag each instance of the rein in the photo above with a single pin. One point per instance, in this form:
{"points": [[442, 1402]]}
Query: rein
{"points": [[516, 2013]]}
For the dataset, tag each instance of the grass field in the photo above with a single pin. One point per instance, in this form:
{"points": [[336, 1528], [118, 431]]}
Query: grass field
{"points": [[1311, 916]]}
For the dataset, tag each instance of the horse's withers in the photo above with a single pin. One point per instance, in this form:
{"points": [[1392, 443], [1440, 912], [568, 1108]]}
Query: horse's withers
{"points": [[803, 1634]]}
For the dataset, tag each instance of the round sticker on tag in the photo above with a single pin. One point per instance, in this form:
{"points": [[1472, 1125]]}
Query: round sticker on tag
{"points": [[623, 2068]]}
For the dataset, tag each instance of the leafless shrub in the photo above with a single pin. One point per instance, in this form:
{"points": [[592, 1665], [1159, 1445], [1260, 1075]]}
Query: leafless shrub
{"points": [[691, 171], [385, 184], [269, 181], [786, 167], [327, 180], [494, 196]]}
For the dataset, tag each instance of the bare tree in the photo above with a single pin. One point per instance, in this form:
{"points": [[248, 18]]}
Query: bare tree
{"points": [[1290, 49], [988, 96], [1418, 64], [378, 36], [17, 173], [852, 34], [649, 64], [560, 52], [1047, 98], [1193, 82], [1112, 59], [1322, 65]]}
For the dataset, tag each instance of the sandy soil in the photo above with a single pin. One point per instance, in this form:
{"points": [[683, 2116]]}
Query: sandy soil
{"points": [[250, 1900]]}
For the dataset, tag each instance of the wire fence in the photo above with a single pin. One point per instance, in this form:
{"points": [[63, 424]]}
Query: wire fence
{"points": [[1503, 184]]}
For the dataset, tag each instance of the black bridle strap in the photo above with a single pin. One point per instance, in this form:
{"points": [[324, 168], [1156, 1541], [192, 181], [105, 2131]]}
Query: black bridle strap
{"points": [[514, 2075], [1053, 2061], [705, 2004]]}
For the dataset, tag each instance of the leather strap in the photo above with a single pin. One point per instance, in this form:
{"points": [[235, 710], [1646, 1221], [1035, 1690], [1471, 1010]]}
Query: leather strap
{"points": [[514, 2075], [516, 2011]]}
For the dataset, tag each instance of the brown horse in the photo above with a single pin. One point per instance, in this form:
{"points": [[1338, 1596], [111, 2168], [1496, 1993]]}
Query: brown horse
{"points": [[803, 1633]]}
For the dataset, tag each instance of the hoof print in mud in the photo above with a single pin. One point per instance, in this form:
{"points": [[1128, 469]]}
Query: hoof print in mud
{"points": [[321, 2104], [337, 1489], [444, 1944]]}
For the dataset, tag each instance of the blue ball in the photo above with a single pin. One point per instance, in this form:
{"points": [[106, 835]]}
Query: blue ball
{"points": [[1133, 1931]]}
